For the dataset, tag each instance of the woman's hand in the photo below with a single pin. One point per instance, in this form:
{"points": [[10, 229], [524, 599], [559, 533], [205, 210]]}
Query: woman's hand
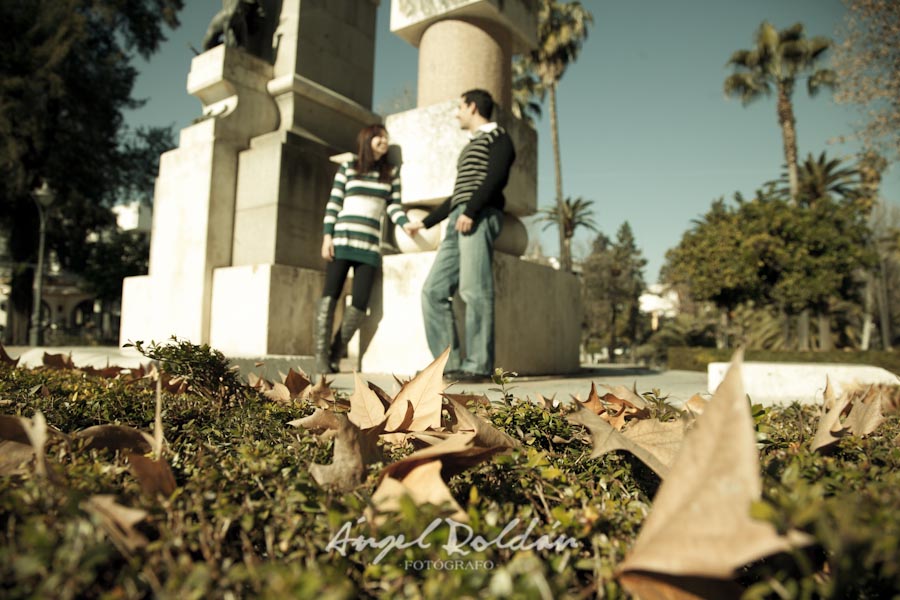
{"points": [[412, 228], [327, 248]]}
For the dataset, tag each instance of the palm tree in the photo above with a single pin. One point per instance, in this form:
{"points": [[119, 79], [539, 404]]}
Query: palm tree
{"points": [[569, 216], [562, 29], [527, 91], [822, 178], [779, 59]]}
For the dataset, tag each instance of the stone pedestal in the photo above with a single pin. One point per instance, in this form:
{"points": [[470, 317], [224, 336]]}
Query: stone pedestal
{"points": [[537, 326], [237, 230]]}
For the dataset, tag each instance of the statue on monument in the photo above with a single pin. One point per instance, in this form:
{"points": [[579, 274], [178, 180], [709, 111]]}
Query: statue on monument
{"points": [[232, 25]]}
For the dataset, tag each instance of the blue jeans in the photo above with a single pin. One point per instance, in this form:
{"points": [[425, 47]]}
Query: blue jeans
{"points": [[463, 262]]}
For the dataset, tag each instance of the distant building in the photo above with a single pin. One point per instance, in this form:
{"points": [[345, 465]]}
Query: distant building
{"points": [[659, 301]]}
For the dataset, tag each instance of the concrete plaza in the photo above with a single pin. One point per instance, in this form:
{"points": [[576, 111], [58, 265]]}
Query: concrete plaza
{"points": [[679, 386]]}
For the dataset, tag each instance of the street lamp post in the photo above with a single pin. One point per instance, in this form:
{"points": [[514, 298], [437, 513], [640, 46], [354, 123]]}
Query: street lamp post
{"points": [[43, 198]]}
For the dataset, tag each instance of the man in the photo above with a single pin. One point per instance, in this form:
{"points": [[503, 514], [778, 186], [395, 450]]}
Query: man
{"points": [[464, 258]]}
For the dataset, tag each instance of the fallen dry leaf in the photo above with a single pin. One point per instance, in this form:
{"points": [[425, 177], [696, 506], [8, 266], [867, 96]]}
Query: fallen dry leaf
{"points": [[399, 416], [830, 429], [696, 404], [423, 485], [700, 524], [118, 521], [486, 435], [424, 393], [655, 443], [366, 409], [278, 393], [154, 475], [622, 395], [115, 437], [457, 453], [593, 402], [6, 359], [866, 414], [15, 457], [347, 469], [58, 361], [296, 382], [353, 449]]}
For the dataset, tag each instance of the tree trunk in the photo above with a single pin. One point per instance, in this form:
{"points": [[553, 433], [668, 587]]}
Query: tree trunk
{"points": [[785, 328], [722, 330], [613, 317], [789, 135], [565, 259], [884, 313], [803, 331], [826, 342], [868, 305]]}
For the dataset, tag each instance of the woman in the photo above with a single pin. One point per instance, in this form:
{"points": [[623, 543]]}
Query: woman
{"points": [[364, 189]]}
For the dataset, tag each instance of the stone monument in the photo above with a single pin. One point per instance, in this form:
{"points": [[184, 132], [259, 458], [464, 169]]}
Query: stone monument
{"points": [[234, 257]]}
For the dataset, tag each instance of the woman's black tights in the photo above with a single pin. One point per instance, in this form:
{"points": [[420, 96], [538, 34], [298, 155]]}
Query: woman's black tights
{"points": [[363, 278]]}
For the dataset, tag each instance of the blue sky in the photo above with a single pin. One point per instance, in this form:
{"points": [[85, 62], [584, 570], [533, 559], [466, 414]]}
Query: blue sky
{"points": [[645, 129]]}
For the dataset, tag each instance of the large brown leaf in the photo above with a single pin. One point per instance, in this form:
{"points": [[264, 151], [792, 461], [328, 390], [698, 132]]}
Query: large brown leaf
{"points": [[347, 469], [486, 435], [366, 409], [154, 475], [652, 442], [700, 523], [116, 437], [457, 453], [353, 449], [423, 485], [866, 413], [424, 393]]}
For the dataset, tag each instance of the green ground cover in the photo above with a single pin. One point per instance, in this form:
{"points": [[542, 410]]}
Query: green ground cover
{"points": [[247, 519]]}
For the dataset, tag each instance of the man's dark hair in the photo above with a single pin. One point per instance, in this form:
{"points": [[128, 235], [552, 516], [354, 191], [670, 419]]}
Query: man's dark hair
{"points": [[484, 104]]}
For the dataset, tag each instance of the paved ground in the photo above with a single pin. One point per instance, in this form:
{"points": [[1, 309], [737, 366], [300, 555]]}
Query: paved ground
{"points": [[678, 385]]}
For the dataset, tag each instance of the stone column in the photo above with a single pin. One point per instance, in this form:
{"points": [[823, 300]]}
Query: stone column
{"points": [[480, 53]]}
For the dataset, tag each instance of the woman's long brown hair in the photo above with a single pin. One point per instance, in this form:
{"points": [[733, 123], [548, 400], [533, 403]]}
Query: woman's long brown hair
{"points": [[365, 161]]}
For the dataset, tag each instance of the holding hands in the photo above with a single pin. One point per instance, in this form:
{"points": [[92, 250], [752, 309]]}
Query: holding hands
{"points": [[412, 228]]}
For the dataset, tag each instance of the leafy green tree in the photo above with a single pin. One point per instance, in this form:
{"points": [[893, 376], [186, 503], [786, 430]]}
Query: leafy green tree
{"points": [[65, 79], [628, 286], [831, 247], [613, 281], [562, 30], [712, 261], [779, 59], [569, 216]]}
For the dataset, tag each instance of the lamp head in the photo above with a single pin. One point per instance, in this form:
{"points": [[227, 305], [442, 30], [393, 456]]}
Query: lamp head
{"points": [[43, 195]]}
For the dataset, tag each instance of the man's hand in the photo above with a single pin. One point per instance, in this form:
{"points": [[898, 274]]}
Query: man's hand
{"points": [[464, 224], [327, 248], [412, 228]]}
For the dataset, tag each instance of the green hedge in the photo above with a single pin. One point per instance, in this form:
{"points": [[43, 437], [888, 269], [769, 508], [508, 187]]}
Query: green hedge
{"points": [[697, 359]]}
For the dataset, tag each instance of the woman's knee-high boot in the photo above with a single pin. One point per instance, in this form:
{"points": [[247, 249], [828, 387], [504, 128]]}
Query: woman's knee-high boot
{"points": [[353, 318], [323, 324]]}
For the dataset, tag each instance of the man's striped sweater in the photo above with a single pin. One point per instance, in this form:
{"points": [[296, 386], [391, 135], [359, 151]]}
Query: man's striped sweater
{"points": [[355, 212], [481, 174]]}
